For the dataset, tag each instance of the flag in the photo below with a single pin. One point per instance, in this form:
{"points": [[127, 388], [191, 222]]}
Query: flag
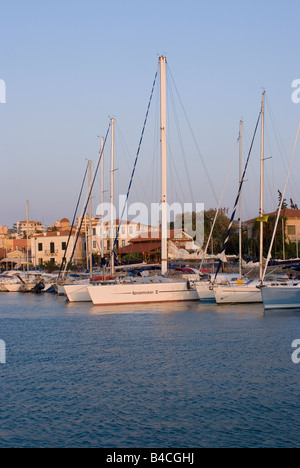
{"points": [[263, 219]]}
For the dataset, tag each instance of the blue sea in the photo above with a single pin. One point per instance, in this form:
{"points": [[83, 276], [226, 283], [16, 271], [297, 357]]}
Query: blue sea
{"points": [[187, 376]]}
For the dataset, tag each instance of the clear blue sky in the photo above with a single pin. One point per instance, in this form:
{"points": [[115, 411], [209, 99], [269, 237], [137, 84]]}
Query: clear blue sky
{"points": [[70, 64]]}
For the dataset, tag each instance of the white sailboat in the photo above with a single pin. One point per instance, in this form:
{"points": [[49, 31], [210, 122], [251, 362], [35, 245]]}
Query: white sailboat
{"points": [[205, 286], [18, 281], [279, 296], [153, 289], [77, 290], [249, 292]]}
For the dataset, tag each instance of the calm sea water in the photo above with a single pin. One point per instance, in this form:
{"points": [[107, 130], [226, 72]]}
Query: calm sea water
{"points": [[161, 376]]}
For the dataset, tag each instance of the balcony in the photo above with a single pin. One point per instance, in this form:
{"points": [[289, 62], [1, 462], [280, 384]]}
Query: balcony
{"points": [[51, 253]]}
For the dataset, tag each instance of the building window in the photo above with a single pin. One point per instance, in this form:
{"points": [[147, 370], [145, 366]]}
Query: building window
{"points": [[94, 231], [130, 230], [123, 230], [94, 244], [291, 230], [63, 246], [52, 261], [40, 261], [40, 247], [52, 247], [123, 243]]}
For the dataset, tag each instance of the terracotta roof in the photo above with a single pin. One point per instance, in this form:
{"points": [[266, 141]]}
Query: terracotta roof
{"points": [[55, 234], [139, 248], [174, 234]]}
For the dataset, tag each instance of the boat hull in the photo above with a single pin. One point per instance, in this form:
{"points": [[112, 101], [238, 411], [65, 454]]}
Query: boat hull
{"points": [[205, 291], [237, 294], [77, 293], [281, 297], [13, 287], [119, 294]]}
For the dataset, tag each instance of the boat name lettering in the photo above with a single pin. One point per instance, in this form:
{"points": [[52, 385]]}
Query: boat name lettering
{"points": [[136, 293], [296, 93]]}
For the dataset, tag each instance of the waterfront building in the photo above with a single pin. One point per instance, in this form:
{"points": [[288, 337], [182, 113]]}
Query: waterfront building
{"points": [[51, 247], [290, 218], [30, 228]]}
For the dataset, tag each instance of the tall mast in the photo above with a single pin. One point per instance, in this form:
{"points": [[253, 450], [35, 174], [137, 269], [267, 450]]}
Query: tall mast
{"points": [[261, 211], [240, 204], [90, 238], [164, 229], [102, 199], [27, 236], [112, 260]]}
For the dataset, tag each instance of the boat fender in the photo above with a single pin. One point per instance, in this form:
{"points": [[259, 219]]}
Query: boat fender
{"points": [[188, 285]]}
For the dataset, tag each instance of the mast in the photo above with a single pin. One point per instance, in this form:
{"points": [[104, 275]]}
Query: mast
{"points": [[90, 222], [27, 227], [86, 242], [112, 265], [240, 204], [261, 211], [164, 230], [102, 200]]}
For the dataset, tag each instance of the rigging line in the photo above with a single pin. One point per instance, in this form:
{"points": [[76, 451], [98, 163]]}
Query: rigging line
{"points": [[195, 141], [73, 222], [237, 200], [135, 164], [280, 145], [270, 188], [180, 138], [280, 207], [88, 196], [219, 206], [128, 157]]}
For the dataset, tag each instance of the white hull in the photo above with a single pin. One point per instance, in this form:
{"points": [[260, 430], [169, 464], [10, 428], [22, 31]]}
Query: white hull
{"points": [[77, 292], [281, 297], [205, 290], [237, 294], [144, 293], [13, 287]]}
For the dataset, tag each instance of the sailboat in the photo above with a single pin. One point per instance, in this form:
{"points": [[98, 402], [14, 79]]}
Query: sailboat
{"points": [[283, 296], [77, 291], [152, 289], [249, 292], [205, 286]]}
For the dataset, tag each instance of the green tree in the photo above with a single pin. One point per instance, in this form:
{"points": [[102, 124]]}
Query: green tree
{"points": [[284, 204], [219, 232]]}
